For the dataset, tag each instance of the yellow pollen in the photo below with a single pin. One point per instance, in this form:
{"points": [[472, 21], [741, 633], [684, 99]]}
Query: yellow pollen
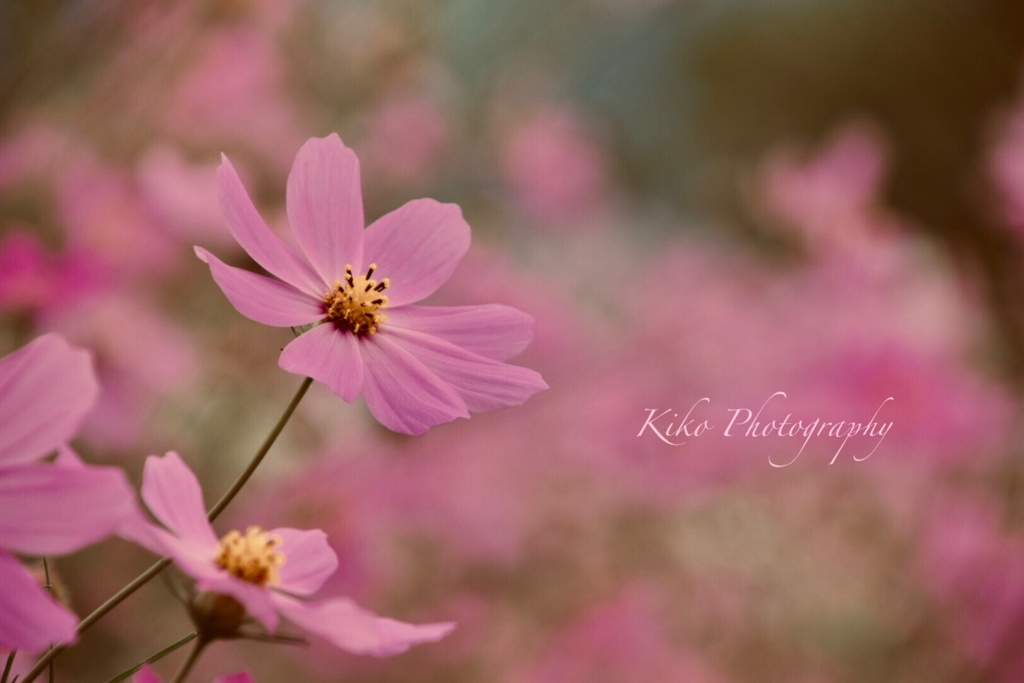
{"points": [[254, 557], [356, 302]]}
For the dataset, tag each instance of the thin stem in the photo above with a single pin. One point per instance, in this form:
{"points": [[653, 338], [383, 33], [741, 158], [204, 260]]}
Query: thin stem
{"points": [[264, 449], [161, 564], [154, 657], [49, 589], [7, 666], [193, 657], [98, 614]]}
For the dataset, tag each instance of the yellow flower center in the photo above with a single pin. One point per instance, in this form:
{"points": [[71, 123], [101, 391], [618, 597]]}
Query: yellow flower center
{"points": [[356, 303], [253, 557]]}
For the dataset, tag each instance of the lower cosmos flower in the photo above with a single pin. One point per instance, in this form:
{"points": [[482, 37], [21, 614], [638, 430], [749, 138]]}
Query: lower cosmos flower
{"points": [[416, 366], [256, 573], [46, 389]]}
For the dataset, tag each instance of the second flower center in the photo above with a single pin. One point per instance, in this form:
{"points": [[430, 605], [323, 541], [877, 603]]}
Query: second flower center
{"points": [[356, 302], [253, 557]]}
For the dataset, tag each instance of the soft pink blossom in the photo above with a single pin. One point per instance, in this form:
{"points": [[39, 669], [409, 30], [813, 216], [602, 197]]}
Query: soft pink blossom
{"points": [[416, 366], [173, 495], [46, 389]]}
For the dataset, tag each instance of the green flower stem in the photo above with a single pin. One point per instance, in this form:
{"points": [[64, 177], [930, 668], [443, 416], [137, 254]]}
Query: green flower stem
{"points": [[154, 657], [193, 657], [160, 565]]}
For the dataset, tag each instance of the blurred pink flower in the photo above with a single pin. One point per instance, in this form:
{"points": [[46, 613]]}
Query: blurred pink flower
{"points": [[237, 91], [416, 366], [621, 639], [35, 281], [147, 675], [46, 389], [102, 212], [263, 571], [973, 568], [1006, 166], [142, 358], [180, 195], [405, 136], [557, 173], [829, 197]]}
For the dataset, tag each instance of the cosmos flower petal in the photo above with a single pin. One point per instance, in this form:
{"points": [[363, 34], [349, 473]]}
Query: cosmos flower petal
{"points": [[32, 620], [325, 206], [260, 298], [350, 627], [417, 247], [257, 239], [146, 675], [54, 509], [329, 356], [46, 390], [493, 331], [484, 384], [310, 560], [172, 493], [402, 393]]}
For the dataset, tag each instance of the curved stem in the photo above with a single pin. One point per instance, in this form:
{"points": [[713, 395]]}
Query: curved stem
{"points": [[264, 449], [160, 565], [154, 657], [189, 662]]}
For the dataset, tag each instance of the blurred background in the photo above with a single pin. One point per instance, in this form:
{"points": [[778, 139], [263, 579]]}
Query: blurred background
{"points": [[714, 199]]}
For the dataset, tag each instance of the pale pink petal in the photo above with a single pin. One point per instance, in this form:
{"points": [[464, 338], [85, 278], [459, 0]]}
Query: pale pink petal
{"points": [[352, 628], [46, 389], [54, 509], [309, 560], [252, 234], [483, 383], [32, 620], [493, 331], [172, 493], [417, 247], [328, 355], [325, 206], [195, 559], [402, 393], [257, 600], [261, 298], [146, 675]]}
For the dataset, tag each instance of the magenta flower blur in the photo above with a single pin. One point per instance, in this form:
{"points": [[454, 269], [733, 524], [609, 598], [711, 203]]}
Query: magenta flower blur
{"points": [[147, 675], [416, 366], [266, 572], [46, 389]]}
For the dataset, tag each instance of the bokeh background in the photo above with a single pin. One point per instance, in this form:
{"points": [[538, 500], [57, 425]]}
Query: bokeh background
{"points": [[703, 198]]}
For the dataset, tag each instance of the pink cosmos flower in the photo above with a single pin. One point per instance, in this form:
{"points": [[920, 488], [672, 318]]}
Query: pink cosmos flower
{"points": [[46, 389], [264, 571], [416, 366], [147, 675]]}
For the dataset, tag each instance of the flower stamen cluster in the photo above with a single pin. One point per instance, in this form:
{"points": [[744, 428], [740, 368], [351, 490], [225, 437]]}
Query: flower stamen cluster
{"points": [[356, 302], [253, 557]]}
